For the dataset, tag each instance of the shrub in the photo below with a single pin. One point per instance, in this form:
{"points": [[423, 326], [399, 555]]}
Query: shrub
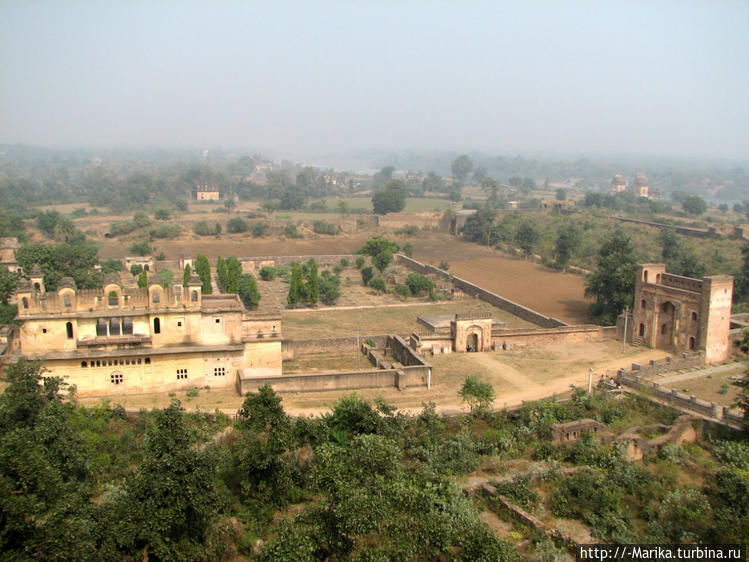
{"points": [[329, 288], [259, 229], [161, 214], [419, 283], [267, 273], [237, 225], [370, 342], [410, 230], [322, 227], [359, 263], [378, 284], [402, 290], [345, 262], [166, 231], [122, 227], [291, 231], [366, 275], [248, 291], [202, 228], [337, 269], [444, 265]]}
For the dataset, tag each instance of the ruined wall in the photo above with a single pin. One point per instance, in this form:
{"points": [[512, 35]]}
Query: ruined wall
{"points": [[474, 290], [294, 348]]}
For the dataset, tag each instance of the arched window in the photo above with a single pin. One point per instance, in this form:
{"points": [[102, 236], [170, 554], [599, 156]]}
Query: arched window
{"points": [[645, 277], [37, 287], [145, 267], [156, 296], [25, 302], [643, 304], [112, 299], [67, 300], [691, 342], [101, 327], [127, 326], [642, 330], [69, 330], [147, 361], [156, 326], [194, 296], [694, 317], [84, 364], [664, 328], [114, 327]]}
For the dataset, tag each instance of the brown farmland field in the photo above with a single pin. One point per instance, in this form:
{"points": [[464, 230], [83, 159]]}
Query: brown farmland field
{"points": [[559, 295]]}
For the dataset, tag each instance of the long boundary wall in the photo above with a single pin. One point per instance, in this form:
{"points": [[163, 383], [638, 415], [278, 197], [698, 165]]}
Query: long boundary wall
{"points": [[680, 400], [474, 290]]}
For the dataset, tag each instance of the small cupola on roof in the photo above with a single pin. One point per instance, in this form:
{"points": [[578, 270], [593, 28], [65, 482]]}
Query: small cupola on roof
{"points": [[66, 283]]}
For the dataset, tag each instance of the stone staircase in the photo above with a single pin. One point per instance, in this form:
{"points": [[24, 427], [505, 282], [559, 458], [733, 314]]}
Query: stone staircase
{"points": [[638, 341]]}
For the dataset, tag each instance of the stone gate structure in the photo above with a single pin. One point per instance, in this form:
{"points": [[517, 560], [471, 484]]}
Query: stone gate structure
{"points": [[681, 314]]}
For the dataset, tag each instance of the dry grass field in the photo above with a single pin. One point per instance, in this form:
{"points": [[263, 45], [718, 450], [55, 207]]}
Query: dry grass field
{"points": [[397, 319]]}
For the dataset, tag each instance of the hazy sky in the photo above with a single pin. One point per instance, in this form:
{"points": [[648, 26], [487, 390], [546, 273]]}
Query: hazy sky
{"points": [[662, 78]]}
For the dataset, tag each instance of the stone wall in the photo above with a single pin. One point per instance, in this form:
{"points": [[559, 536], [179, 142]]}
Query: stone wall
{"points": [[315, 382], [474, 290], [679, 400], [293, 348], [685, 230], [254, 263]]}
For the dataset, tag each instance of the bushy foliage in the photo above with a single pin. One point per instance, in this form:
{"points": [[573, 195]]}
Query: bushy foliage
{"points": [[419, 284]]}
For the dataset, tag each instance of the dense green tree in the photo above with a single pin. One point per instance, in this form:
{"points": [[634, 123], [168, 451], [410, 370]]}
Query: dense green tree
{"points": [[613, 283], [330, 290], [418, 283], [382, 260], [233, 272], [568, 242], [694, 205], [45, 512], [203, 269], [248, 290], [186, 274], [479, 227], [66, 231], [143, 280], [167, 505], [366, 274], [527, 236], [561, 194], [8, 284], [259, 229], [461, 167], [383, 176], [167, 277], [376, 245], [296, 286], [390, 199], [47, 220], [73, 260], [313, 283], [670, 243], [221, 273], [136, 269]]}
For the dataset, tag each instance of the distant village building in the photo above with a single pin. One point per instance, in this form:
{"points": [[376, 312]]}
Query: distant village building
{"points": [[207, 192], [146, 262], [680, 314], [557, 205], [120, 340], [640, 185], [618, 184]]}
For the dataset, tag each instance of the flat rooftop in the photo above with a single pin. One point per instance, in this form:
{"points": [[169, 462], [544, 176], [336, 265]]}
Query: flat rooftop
{"points": [[443, 321]]}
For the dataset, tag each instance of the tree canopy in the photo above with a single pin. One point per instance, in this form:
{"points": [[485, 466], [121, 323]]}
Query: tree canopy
{"points": [[613, 283]]}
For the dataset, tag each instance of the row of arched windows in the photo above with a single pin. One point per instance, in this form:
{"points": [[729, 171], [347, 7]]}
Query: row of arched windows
{"points": [[114, 362]]}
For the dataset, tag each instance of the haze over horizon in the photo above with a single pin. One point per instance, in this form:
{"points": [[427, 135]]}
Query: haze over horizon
{"points": [[665, 78]]}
